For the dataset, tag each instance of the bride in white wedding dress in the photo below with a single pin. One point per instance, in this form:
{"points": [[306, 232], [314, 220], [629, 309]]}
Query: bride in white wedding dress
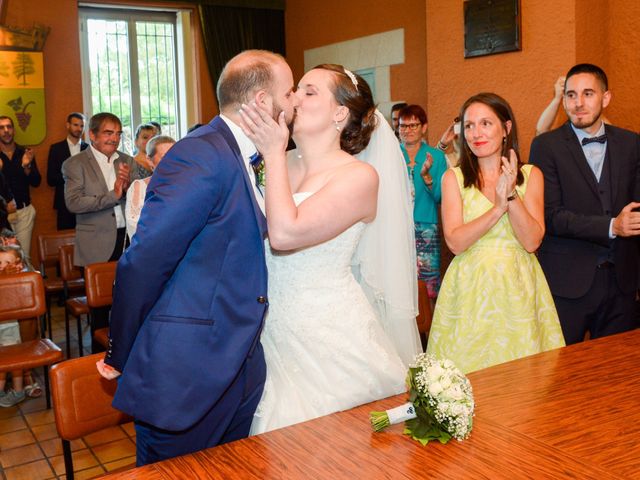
{"points": [[333, 340]]}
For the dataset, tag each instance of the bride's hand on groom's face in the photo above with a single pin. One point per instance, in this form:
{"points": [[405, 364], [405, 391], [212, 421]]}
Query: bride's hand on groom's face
{"points": [[270, 137]]}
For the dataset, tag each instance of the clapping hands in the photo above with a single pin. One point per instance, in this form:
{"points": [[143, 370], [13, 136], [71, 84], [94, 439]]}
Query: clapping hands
{"points": [[122, 180], [424, 171], [507, 181]]}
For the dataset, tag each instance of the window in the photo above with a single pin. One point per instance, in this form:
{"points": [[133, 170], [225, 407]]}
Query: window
{"points": [[369, 76], [130, 68]]}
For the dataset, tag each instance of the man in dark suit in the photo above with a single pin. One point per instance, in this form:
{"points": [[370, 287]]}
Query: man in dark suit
{"points": [[58, 153], [592, 183], [191, 290]]}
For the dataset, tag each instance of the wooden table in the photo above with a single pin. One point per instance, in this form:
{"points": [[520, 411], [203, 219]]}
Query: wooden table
{"points": [[568, 413]]}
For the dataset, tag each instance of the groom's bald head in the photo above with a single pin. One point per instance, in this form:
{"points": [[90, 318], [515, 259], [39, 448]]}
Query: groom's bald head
{"points": [[244, 75]]}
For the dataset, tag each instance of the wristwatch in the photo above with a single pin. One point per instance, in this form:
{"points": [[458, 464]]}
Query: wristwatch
{"points": [[513, 195]]}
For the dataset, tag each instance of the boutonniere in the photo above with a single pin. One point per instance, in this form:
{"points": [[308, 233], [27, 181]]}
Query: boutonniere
{"points": [[260, 174]]}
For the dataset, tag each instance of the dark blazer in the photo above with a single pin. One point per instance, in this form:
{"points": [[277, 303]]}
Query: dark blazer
{"points": [[58, 153], [577, 228], [190, 292]]}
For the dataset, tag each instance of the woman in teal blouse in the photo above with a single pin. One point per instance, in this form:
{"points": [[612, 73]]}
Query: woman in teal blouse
{"points": [[425, 166]]}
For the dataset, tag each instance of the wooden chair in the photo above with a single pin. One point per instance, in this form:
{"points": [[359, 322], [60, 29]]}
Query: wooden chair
{"points": [[99, 278], [74, 306], [48, 245], [425, 316], [23, 298], [82, 402]]}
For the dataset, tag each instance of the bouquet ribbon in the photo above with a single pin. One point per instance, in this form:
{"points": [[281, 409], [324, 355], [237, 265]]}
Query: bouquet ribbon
{"points": [[402, 413]]}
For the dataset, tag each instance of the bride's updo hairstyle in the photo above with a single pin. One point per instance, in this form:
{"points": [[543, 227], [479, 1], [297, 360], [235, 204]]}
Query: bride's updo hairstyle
{"points": [[352, 91]]}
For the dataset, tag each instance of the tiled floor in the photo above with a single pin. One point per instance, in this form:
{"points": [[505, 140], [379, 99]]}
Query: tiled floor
{"points": [[30, 448]]}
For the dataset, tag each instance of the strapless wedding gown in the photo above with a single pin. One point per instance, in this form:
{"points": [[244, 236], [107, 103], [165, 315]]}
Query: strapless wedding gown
{"points": [[324, 346]]}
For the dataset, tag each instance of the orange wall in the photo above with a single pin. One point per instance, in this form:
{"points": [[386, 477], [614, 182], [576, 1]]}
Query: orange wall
{"points": [[556, 35], [525, 78], [318, 23], [623, 69], [63, 85]]}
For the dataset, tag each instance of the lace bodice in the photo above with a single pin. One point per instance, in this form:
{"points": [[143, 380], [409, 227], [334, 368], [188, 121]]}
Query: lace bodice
{"points": [[321, 265]]}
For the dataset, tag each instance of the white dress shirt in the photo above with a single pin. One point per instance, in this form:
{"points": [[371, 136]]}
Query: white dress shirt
{"points": [[109, 174], [247, 148], [594, 152], [74, 148]]}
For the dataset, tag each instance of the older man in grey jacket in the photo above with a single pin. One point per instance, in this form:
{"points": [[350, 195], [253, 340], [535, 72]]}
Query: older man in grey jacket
{"points": [[96, 181]]}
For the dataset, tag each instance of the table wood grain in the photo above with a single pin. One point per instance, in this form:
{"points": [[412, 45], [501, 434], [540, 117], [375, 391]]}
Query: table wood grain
{"points": [[568, 413]]}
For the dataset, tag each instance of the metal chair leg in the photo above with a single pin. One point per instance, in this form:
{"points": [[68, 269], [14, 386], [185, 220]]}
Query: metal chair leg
{"points": [[68, 459], [49, 321], [47, 390], [80, 346], [46, 319], [66, 330]]}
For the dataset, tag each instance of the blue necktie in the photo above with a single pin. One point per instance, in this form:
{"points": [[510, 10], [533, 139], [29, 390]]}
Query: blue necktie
{"points": [[256, 161], [601, 139]]}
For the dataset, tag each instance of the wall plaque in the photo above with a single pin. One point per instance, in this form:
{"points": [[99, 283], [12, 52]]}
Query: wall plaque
{"points": [[491, 26]]}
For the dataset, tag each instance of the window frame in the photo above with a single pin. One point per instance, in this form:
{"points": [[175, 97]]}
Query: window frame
{"points": [[131, 16]]}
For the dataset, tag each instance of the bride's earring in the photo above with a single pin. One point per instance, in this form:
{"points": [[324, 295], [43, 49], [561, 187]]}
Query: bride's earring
{"points": [[337, 126]]}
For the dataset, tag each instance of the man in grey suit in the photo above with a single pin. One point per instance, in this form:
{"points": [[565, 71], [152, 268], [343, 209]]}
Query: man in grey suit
{"points": [[96, 180]]}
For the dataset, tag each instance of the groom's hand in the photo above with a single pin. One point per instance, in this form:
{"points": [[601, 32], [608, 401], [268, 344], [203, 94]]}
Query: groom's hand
{"points": [[107, 371]]}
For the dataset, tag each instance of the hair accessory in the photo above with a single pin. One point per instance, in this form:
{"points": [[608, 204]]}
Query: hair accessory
{"points": [[353, 78]]}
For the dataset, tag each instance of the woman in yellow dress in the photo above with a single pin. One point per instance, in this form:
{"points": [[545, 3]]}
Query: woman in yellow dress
{"points": [[494, 303]]}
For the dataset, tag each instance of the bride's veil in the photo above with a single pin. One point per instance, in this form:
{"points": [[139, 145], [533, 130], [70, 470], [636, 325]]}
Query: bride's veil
{"points": [[385, 260]]}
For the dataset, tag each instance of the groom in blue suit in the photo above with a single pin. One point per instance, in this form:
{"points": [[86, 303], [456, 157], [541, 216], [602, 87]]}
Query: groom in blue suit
{"points": [[191, 291]]}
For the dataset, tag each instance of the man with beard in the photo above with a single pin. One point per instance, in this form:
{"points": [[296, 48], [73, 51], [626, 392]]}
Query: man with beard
{"points": [[58, 153], [18, 164], [592, 188], [191, 291]]}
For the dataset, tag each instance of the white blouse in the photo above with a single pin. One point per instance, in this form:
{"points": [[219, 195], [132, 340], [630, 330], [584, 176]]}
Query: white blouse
{"points": [[133, 207]]}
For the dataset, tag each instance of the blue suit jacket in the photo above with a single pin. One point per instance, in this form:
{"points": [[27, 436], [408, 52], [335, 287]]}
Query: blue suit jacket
{"points": [[190, 292]]}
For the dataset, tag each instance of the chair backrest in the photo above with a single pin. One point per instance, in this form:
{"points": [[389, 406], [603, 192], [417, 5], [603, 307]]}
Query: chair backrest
{"points": [[21, 296], [68, 271], [82, 398], [98, 280], [48, 245]]}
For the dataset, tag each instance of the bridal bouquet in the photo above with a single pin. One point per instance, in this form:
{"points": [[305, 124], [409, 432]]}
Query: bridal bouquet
{"points": [[440, 403]]}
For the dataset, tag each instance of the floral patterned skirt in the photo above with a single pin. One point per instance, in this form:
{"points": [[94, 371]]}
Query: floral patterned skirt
{"points": [[428, 255]]}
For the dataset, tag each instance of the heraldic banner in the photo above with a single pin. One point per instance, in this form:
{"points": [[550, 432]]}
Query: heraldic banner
{"points": [[22, 94]]}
